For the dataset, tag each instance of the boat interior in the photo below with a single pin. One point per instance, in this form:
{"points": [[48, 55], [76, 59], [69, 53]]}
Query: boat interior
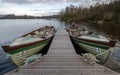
{"points": [[37, 35]]}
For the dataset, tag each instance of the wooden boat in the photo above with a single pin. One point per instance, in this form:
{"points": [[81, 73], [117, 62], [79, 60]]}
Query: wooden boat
{"points": [[29, 44], [98, 45]]}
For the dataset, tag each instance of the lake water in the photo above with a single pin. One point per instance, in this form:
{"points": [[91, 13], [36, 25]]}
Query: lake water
{"points": [[11, 29]]}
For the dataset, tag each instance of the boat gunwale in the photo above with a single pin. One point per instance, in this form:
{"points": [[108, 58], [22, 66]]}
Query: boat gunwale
{"points": [[8, 48], [111, 42], [100, 45], [40, 29], [96, 42], [19, 49]]}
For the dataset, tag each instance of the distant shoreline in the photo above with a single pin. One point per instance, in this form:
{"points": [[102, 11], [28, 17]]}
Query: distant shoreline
{"points": [[12, 16]]}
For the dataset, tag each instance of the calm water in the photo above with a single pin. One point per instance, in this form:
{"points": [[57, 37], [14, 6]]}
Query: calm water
{"points": [[13, 28]]}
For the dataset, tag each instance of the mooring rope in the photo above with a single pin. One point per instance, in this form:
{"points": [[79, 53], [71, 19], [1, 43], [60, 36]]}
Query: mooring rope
{"points": [[111, 49]]}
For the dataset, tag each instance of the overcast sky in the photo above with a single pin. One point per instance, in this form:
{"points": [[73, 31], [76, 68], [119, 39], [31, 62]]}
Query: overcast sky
{"points": [[41, 7]]}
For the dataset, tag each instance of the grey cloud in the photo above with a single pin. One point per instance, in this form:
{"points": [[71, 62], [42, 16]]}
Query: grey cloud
{"points": [[15, 1], [86, 0], [102, 0], [49, 1], [33, 1]]}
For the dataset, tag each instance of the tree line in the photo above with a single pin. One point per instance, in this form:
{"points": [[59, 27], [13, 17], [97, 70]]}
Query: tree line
{"points": [[104, 17], [12, 16], [107, 12]]}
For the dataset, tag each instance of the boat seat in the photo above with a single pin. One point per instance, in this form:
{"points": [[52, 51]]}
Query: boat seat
{"points": [[37, 36]]}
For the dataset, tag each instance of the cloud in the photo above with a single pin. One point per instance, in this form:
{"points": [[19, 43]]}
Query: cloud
{"points": [[54, 2], [15, 1], [40, 1], [37, 7], [33, 1]]}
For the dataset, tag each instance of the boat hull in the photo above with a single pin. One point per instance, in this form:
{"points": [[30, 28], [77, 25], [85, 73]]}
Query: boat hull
{"points": [[93, 48], [30, 44], [19, 56]]}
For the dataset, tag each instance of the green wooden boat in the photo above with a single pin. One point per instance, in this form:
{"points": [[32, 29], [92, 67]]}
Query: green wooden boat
{"points": [[98, 45], [29, 44]]}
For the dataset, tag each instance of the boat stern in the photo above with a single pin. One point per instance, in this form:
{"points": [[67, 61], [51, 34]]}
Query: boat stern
{"points": [[112, 43], [6, 48]]}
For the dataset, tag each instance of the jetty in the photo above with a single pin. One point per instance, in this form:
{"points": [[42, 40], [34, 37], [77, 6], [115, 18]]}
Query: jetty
{"points": [[62, 59]]}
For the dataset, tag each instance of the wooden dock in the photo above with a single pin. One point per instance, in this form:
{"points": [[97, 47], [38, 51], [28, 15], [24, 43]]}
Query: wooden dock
{"points": [[62, 59]]}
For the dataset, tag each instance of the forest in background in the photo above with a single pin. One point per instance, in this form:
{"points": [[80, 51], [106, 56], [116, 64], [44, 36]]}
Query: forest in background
{"points": [[104, 17]]}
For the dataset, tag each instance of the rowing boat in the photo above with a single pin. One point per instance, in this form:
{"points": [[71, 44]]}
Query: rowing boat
{"points": [[98, 45], [29, 44]]}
